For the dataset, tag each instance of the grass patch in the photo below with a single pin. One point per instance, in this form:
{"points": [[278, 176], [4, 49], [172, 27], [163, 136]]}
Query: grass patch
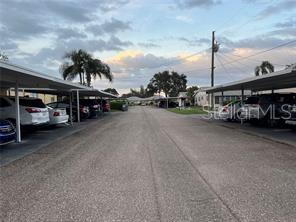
{"points": [[188, 110]]}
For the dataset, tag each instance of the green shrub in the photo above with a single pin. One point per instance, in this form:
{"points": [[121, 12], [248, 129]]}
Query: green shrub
{"points": [[116, 105]]}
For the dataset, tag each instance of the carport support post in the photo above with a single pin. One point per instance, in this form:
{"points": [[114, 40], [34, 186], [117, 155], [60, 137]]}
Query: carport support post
{"points": [[101, 101], [17, 113], [242, 103], [167, 103], [222, 95], [71, 108], [78, 107]]}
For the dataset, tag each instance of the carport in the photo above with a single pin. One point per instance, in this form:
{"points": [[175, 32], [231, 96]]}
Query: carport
{"points": [[14, 76], [283, 79], [167, 100], [83, 91]]}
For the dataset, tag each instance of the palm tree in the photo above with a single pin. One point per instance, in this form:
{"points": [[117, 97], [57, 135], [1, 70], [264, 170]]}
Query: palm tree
{"points": [[77, 66], [265, 68], [96, 68], [85, 66]]}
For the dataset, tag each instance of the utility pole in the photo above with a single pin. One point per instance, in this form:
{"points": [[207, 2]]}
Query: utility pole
{"points": [[213, 67]]}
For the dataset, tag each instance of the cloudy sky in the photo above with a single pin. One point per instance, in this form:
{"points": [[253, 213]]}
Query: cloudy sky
{"points": [[138, 38]]}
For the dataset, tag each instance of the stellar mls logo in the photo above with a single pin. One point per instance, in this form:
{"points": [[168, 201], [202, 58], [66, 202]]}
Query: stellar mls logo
{"points": [[251, 112]]}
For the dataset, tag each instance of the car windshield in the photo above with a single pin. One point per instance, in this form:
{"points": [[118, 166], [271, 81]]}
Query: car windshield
{"points": [[252, 100], [31, 102]]}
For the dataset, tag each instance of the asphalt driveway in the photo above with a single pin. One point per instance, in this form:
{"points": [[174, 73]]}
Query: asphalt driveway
{"points": [[148, 164]]}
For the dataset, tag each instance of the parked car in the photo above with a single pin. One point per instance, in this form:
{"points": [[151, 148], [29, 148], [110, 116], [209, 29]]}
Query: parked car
{"points": [[105, 105], [171, 104], [266, 108], [230, 111], [7, 132], [93, 105], [57, 115], [124, 107], [292, 119], [32, 110], [84, 110]]}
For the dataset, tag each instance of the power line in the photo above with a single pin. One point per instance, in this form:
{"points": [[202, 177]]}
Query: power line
{"points": [[246, 57], [234, 66], [254, 60], [264, 51], [182, 60], [227, 72], [241, 25], [225, 57]]}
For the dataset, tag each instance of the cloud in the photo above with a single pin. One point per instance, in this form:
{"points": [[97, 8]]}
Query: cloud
{"points": [[68, 33], [137, 60], [195, 41], [49, 58], [284, 32], [148, 45], [187, 4], [24, 19], [257, 42], [275, 9], [183, 18], [290, 23], [111, 27], [256, 1]]}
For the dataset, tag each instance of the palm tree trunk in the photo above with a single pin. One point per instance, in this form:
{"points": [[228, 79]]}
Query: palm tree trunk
{"points": [[83, 78], [80, 76]]}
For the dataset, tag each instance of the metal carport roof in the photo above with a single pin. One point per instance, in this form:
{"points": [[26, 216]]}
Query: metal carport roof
{"points": [[272, 81], [27, 78], [83, 92]]}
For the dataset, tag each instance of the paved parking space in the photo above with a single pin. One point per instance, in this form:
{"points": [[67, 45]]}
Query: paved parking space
{"points": [[282, 135], [34, 139]]}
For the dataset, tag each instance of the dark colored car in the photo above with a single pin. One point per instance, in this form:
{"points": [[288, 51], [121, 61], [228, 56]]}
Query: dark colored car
{"points": [[268, 108], [93, 105], [105, 105], [163, 104], [292, 120], [7, 132], [84, 110]]}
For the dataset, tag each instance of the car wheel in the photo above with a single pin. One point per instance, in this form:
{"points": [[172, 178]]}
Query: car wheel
{"points": [[12, 121], [74, 118]]}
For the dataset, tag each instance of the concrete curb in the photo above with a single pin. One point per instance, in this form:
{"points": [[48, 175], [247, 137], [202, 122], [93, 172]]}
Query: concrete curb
{"points": [[260, 135]]}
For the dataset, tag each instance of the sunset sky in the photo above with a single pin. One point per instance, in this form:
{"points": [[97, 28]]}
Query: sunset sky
{"points": [[138, 38]]}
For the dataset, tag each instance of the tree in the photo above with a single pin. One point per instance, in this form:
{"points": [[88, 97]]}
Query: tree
{"points": [[168, 83], [96, 68], [112, 91], [190, 93], [160, 82], [150, 90], [178, 84], [141, 93], [3, 57], [77, 66], [265, 68], [83, 65]]}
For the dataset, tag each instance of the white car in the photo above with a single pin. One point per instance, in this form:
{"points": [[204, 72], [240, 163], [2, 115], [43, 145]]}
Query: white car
{"points": [[32, 110], [230, 111], [57, 116]]}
